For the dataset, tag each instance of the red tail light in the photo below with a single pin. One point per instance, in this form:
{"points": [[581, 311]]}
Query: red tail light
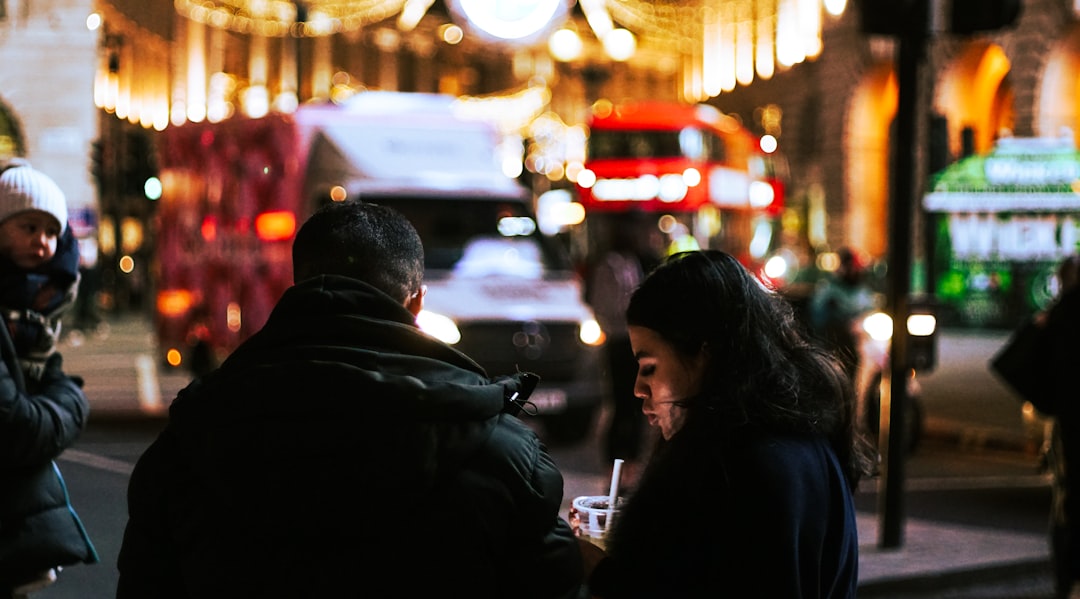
{"points": [[275, 226]]}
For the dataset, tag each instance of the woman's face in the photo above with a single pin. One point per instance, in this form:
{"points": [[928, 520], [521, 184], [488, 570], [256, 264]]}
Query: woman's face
{"points": [[663, 378]]}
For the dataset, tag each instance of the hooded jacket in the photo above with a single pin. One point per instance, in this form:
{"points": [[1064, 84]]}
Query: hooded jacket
{"points": [[338, 451], [33, 301], [38, 527]]}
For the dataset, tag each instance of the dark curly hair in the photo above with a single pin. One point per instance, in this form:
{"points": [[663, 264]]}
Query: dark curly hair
{"points": [[375, 244], [763, 371]]}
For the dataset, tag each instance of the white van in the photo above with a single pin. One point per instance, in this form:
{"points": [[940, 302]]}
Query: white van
{"points": [[498, 290]]}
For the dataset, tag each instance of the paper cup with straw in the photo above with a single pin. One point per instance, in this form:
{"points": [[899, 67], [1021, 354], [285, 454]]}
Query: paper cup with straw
{"points": [[592, 515]]}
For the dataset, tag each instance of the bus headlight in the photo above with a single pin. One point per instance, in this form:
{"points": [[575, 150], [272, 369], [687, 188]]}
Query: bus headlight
{"points": [[438, 326]]}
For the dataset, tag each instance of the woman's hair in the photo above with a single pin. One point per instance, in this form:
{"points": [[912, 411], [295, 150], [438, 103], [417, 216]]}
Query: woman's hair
{"points": [[763, 371]]}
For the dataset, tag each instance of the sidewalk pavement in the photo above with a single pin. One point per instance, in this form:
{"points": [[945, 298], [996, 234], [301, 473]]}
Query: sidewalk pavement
{"points": [[933, 555]]}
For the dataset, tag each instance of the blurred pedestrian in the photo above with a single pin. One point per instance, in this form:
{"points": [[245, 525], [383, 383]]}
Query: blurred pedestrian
{"points": [[836, 306], [612, 279], [42, 410], [1061, 329], [341, 452], [88, 319], [748, 492]]}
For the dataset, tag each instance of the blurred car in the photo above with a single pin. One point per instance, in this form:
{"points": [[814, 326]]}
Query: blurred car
{"points": [[875, 362], [873, 331]]}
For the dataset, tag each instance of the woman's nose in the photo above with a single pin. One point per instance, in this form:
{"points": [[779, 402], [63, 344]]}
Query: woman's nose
{"points": [[641, 391]]}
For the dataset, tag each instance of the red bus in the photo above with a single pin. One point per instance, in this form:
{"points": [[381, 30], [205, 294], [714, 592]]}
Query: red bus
{"points": [[698, 171]]}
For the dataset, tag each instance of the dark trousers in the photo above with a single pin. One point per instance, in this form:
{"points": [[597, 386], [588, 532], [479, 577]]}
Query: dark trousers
{"points": [[1065, 510]]}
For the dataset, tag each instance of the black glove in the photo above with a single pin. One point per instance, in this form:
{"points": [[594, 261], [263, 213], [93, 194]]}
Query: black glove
{"points": [[54, 370]]}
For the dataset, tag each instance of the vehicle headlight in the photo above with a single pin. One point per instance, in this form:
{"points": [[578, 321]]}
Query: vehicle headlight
{"points": [[921, 325], [776, 268], [438, 326], [590, 333], [878, 325]]}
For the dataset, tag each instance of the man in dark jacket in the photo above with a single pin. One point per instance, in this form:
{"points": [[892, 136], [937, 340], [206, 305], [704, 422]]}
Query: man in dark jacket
{"points": [[341, 452]]}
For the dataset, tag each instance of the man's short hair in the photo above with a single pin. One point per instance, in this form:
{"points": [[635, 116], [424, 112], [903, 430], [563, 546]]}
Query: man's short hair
{"points": [[375, 244]]}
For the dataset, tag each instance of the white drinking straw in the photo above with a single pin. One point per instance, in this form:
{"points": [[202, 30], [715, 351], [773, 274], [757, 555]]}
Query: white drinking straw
{"points": [[613, 494]]}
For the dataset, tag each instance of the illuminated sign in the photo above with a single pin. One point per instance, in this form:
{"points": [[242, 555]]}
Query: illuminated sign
{"points": [[988, 237], [1030, 170], [1011, 216], [1019, 175]]}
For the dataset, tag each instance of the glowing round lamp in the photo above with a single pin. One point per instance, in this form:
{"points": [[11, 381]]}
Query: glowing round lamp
{"points": [[521, 21], [620, 44], [565, 45]]}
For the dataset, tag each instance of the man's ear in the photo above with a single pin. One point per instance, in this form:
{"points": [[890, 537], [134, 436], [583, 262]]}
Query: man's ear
{"points": [[415, 302]]}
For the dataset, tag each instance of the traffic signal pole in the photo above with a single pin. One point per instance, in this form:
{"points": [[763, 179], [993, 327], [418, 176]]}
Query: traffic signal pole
{"points": [[904, 172], [911, 22]]}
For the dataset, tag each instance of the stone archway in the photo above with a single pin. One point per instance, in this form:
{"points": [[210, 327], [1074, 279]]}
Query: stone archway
{"points": [[1060, 87], [873, 107], [975, 92]]}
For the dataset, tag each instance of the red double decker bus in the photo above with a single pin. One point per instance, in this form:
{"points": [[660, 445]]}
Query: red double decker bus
{"points": [[698, 171]]}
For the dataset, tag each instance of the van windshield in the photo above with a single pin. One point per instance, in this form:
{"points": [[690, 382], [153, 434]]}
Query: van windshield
{"points": [[480, 237]]}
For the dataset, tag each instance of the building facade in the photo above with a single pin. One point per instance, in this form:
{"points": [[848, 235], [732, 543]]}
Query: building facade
{"points": [[145, 66], [47, 113]]}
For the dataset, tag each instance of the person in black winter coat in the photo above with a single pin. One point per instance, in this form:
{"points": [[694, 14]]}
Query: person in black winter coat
{"points": [[342, 452], [42, 410], [1057, 362], [749, 490], [613, 277]]}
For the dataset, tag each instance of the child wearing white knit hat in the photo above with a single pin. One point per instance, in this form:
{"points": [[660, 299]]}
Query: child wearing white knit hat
{"points": [[22, 188], [39, 261]]}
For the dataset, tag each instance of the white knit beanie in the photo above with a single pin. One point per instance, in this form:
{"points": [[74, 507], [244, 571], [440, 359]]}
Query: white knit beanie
{"points": [[22, 187]]}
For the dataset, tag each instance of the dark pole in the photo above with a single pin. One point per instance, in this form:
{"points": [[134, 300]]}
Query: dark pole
{"points": [[903, 173], [298, 31], [938, 160]]}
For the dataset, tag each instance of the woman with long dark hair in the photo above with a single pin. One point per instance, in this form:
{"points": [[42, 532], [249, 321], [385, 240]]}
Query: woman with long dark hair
{"points": [[749, 490]]}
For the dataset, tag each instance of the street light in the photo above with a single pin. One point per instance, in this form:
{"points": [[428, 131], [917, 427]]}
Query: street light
{"points": [[620, 44], [565, 45]]}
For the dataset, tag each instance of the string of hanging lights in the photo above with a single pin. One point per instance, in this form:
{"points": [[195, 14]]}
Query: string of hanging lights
{"points": [[687, 23], [730, 42], [724, 42], [720, 43], [297, 18]]}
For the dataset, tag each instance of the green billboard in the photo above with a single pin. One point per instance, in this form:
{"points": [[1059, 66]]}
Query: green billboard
{"points": [[1002, 223]]}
